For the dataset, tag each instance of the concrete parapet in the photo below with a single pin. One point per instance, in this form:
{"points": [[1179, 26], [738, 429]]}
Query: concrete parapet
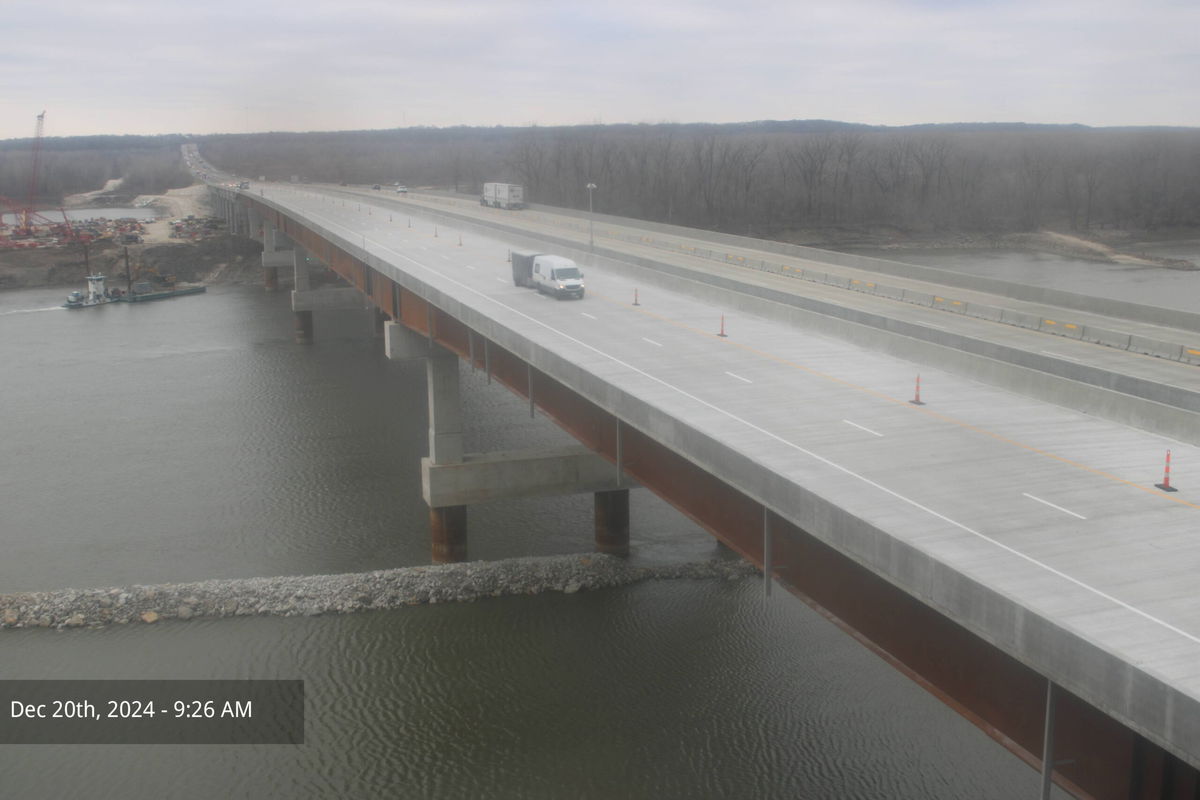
{"points": [[1105, 337], [983, 311], [920, 298], [1072, 329], [479, 478], [894, 292], [1021, 319], [1155, 347], [1191, 354], [334, 298]]}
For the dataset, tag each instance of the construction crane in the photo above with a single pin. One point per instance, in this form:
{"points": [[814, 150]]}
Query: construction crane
{"points": [[26, 213]]}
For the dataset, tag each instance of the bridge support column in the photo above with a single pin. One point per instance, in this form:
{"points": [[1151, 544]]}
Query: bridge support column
{"points": [[448, 534], [304, 319], [255, 224], [451, 479], [274, 256], [447, 523], [612, 522]]}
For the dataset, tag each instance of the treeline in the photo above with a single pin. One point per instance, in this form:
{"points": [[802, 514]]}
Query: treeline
{"points": [[768, 178], [763, 178], [68, 165]]}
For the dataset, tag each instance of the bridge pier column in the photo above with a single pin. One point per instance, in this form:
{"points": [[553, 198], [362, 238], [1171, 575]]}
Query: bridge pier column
{"points": [[254, 224], [612, 522], [303, 319], [275, 255], [448, 534], [451, 479], [447, 524]]}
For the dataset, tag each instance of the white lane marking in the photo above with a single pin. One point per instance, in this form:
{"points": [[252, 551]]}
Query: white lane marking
{"points": [[468, 266], [862, 428], [1060, 355], [502, 280], [1048, 503], [651, 341], [739, 377], [786, 443], [586, 314], [443, 256], [933, 325]]}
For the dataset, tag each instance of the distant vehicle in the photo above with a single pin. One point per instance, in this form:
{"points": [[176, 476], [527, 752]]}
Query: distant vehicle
{"points": [[547, 273], [244, 185], [343, 183], [376, 186], [400, 189], [502, 195]]}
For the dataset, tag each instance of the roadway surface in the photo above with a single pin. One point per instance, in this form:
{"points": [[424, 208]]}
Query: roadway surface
{"points": [[1053, 510]]}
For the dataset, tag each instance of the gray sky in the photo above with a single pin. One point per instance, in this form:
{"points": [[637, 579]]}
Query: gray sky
{"points": [[213, 66]]}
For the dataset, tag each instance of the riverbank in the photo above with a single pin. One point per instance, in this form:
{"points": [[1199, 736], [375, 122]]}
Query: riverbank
{"points": [[313, 595], [1103, 247]]}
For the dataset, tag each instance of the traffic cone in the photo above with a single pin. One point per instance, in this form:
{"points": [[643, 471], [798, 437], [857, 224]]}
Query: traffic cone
{"points": [[1166, 484], [916, 401]]}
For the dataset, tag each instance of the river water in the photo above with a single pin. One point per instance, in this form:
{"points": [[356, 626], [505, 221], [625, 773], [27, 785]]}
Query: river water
{"points": [[1148, 285], [192, 439]]}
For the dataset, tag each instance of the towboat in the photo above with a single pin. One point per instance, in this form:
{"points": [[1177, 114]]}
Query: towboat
{"points": [[96, 294]]}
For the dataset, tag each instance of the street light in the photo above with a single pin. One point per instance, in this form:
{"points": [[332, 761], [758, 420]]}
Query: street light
{"points": [[591, 238]]}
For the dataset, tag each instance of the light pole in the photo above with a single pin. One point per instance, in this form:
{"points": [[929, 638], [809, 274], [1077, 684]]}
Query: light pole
{"points": [[591, 238]]}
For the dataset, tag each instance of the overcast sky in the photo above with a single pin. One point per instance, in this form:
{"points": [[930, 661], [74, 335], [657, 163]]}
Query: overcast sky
{"points": [[214, 66]]}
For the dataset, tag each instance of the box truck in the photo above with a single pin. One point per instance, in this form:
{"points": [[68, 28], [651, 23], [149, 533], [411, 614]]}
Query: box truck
{"points": [[502, 195], [555, 275]]}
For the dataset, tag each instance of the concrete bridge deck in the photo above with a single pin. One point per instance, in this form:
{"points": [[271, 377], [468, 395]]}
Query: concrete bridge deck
{"points": [[1095, 358], [1033, 526]]}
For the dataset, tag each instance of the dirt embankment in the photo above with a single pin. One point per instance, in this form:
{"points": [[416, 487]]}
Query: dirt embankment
{"points": [[223, 259], [226, 259]]}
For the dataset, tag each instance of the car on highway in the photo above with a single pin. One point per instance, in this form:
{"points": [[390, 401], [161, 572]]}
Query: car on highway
{"points": [[401, 189], [376, 186]]}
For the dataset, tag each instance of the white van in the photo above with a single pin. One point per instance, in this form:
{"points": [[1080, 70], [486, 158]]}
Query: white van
{"points": [[558, 276]]}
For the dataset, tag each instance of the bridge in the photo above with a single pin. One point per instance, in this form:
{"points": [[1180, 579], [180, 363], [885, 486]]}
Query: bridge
{"points": [[966, 476]]}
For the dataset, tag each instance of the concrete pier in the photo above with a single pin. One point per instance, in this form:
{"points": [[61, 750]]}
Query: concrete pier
{"points": [[303, 317], [448, 534], [276, 253], [451, 479], [612, 522]]}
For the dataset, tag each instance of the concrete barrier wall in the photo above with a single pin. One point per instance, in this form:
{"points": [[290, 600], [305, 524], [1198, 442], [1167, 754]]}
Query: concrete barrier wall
{"points": [[1152, 406], [1035, 294], [1020, 319], [1154, 347]]}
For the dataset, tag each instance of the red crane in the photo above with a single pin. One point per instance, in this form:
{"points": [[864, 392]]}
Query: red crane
{"points": [[27, 212]]}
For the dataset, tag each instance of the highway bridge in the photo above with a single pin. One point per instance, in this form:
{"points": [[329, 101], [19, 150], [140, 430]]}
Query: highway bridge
{"points": [[966, 476]]}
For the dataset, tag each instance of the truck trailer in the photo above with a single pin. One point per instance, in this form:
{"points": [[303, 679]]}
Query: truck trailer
{"points": [[502, 195], [555, 275]]}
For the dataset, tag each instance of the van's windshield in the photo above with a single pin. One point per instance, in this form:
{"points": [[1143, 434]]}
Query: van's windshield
{"points": [[563, 273]]}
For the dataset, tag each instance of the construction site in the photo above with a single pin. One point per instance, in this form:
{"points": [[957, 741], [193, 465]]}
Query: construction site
{"points": [[51, 245]]}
